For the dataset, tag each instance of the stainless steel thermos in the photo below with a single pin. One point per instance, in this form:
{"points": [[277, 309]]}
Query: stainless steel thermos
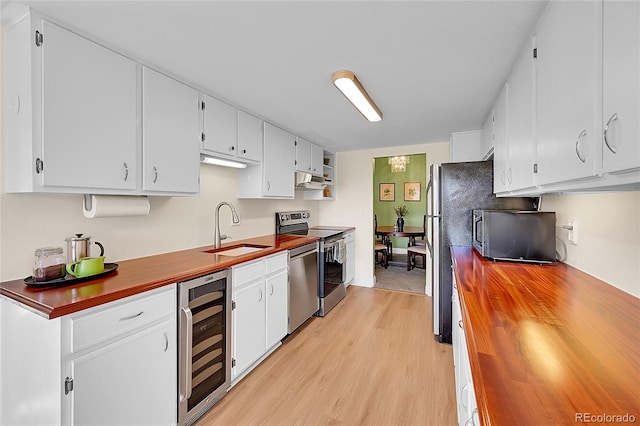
{"points": [[79, 247]]}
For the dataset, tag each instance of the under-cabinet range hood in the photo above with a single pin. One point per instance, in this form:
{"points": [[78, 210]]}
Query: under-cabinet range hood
{"points": [[309, 182]]}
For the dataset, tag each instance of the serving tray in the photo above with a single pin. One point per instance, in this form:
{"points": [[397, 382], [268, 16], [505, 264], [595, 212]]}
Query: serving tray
{"points": [[70, 279]]}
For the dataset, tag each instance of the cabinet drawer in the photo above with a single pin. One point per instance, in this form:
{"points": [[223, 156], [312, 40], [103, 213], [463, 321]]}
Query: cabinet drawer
{"points": [[276, 263], [248, 272], [111, 321]]}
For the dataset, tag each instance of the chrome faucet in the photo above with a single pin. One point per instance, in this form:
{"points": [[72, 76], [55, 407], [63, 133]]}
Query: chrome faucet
{"points": [[217, 238]]}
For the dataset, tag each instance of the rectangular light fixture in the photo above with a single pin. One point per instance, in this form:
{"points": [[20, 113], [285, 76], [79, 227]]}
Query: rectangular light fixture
{"points": [[347, 82], [221, 162]]}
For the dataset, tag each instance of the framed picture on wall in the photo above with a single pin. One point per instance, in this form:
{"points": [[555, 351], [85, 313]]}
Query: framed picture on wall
{"points": [[387, 192], [412, 191]]}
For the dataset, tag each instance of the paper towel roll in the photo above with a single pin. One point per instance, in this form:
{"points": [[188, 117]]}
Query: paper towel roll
{"points": [[114, 206]]}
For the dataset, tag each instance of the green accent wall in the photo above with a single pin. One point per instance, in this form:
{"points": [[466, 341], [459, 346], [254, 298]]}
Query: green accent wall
{"points": [[416, 172]]}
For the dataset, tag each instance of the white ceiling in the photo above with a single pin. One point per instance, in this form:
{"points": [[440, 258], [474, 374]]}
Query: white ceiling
{"points": [[433, 67]]}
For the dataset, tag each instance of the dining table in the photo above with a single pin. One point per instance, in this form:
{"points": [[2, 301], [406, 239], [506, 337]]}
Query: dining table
{"points": [[411, 232]]}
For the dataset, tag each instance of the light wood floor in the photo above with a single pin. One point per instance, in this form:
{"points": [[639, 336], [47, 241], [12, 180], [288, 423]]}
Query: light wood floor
{"points": [[371, 361]]}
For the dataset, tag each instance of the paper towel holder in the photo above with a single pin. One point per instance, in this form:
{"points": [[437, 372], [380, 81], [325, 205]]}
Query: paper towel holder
{"points": [[88, 203]]}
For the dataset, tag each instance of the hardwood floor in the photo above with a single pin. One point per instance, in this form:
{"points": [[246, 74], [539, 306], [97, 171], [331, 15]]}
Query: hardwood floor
{"points": [[371, 361]]}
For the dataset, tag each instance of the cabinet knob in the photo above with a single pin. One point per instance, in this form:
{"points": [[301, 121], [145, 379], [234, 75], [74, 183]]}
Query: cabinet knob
{"points": [[244, 151], [233, 148]]}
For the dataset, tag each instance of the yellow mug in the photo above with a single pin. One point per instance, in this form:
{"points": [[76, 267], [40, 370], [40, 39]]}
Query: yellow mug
{"points": [[86, 267]]}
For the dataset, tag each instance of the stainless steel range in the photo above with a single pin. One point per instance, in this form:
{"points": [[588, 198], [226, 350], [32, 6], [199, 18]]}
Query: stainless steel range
{"points": [[332, 264]]}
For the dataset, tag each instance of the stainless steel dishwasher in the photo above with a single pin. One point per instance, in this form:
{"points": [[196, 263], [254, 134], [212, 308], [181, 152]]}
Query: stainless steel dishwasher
{"points": [[303, 284]]}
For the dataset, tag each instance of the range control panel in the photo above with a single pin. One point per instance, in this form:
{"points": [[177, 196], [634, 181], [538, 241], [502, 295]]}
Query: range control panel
{"points": [[293, 217]]}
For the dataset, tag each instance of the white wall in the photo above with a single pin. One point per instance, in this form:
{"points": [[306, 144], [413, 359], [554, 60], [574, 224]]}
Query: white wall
{"points": [[354, 203], [29, 221], [608, 235]]}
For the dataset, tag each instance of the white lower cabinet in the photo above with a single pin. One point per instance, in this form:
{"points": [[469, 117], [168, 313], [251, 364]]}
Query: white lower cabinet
{"points": [[465, 396], [260, 314], [127, 382], [114, 364]]}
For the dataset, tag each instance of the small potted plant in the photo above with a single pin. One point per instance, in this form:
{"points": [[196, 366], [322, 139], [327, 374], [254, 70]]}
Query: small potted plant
{"points": [[401, 212]]}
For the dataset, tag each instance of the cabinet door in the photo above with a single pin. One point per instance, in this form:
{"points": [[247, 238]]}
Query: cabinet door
{"points": [[249, 325], [303, 155], [249, 137], [500, 146], [170, 135], [132, 381], [351, 262], [88, 113], [621, 85], [278, 162], [568, 119], [487, 134], [220, 127], [277, 307], [317, 156], [520, 124]]}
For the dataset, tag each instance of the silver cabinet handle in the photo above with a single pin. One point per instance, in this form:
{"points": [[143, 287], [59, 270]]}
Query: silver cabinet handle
{"points": [[473, 418], [466, 385], [126, 171], [271, 290], [611, 146], [155, 174], [186, 328], [502, 177], [130, 317], [460, 324], [580, 136], [509, 174], [268, 186], [260, 298], [166, 341]]}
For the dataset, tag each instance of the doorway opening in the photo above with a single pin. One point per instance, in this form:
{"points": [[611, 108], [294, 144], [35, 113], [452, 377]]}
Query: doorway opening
{"points": [[399, 191]]}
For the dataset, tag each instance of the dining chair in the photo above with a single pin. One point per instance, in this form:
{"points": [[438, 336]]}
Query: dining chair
{"points": [[414, 251], [379, 247], [386, 241]]}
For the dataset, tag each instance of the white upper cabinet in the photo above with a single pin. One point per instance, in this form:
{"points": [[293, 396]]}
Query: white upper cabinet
{"points": [[230, 133], [249, 137], [220, 127], [568, 108], [279, 162], [520, 104], [621, 86], [309, 157], [274, 176], [487, 136], [170, 130], [71, 112], [500, 145], [466, 146]]}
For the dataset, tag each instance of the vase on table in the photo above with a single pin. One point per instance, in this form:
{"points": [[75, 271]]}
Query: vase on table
{"points": [[400, 224]]}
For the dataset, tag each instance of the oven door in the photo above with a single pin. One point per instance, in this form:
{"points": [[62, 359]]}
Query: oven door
{"points": [[333, 267]]}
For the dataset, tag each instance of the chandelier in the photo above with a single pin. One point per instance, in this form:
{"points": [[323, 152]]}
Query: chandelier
{"points": [[398, 163]]}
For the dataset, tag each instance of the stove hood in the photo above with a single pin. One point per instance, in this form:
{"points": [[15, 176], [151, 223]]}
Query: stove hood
{"points": [[308, 182]]}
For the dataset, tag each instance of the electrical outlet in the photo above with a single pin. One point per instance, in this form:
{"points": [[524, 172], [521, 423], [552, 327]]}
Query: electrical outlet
{"points": [[573, 232]]}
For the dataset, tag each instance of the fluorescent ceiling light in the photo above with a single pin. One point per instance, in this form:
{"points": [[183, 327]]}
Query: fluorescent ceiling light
{"points": [[347, 82], [220, 162]]}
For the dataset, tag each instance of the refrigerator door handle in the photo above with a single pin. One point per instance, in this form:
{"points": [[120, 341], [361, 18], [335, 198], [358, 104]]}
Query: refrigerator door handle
{"points": [[430, 216]]}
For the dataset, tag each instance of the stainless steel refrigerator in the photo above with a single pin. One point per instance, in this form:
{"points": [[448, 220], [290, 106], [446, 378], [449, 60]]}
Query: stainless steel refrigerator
{"points": [[455, 189]]}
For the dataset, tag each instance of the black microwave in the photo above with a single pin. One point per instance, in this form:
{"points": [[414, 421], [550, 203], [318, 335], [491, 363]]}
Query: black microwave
{"points": [[515, 235]]}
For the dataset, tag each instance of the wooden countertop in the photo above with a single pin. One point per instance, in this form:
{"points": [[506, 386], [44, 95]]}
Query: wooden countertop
{"points": [[138, 275], [547, 343]]}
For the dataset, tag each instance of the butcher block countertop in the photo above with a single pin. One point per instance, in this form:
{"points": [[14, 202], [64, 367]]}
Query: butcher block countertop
{"points": [[138, 275], [548, 344]]}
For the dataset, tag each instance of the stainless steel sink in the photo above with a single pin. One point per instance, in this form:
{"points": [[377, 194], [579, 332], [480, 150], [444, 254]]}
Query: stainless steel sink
{"points": [[237, 250]]}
